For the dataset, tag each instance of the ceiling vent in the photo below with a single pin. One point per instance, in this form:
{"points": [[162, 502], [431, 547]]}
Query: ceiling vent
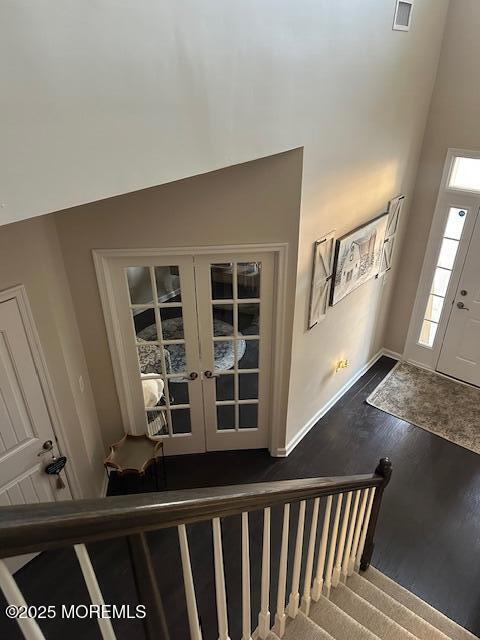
{"points": [[403, 15]]}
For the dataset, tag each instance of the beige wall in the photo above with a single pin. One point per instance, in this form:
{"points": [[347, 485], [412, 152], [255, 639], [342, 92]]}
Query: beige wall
{"points": [[454, 122], [250, 203], [30, 255]]}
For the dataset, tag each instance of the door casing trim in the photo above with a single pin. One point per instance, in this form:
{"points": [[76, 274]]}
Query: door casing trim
{"points": [[414, 352], [102, 258], [19, 293]]}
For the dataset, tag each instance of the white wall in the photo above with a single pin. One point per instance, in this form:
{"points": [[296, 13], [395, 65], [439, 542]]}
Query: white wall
{"points": [[107, 99], [454, 122]]}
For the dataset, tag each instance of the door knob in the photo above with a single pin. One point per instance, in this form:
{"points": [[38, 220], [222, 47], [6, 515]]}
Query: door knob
{"points": [[209, 375], [46, 447], [460, 305], [191, 376]]}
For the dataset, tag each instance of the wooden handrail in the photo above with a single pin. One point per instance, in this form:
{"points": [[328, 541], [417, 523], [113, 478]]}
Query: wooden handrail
{"points": [[39, 527]]}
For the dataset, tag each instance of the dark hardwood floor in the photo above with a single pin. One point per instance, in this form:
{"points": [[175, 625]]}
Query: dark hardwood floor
{"points": [[428, 538]]}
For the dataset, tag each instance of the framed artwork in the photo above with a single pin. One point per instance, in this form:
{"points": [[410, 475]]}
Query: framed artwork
{"points": [[321, 279], [394, 212], [358, 257]]}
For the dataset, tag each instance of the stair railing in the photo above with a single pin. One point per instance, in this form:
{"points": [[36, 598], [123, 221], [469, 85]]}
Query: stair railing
{"points": [[342, 541]]}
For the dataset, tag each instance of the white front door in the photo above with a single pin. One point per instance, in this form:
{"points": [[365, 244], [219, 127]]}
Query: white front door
{"points": [[25, 423], [460, 353], [192, 347]]}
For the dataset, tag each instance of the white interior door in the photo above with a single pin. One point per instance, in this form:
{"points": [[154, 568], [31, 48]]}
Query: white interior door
{"points": [[25, 423], [235, 305], [460, 353], [155, 302]]}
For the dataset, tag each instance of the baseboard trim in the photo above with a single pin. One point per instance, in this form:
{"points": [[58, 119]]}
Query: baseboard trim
{"points": [[283, 452], [391, 354]]}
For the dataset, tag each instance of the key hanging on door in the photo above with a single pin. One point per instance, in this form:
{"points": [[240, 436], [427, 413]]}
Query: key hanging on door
{"points": [[55, 467]]}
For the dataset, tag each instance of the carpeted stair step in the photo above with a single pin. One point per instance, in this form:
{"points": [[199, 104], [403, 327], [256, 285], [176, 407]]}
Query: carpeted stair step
{"points": [[405, 617], [337, 623], [368, 615], [302, 628], [438, 620]]}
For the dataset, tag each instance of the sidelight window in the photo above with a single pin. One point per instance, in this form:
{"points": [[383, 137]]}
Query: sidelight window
{"points": [[443, 272]]}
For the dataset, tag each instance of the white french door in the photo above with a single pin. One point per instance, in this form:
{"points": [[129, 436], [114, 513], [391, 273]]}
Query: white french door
{"points": [[192, 347], [234, 302]]}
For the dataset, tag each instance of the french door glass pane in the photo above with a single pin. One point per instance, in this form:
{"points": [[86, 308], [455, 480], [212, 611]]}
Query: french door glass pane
{"points": [[247, 354], [157, 423], [150, 359], [222, 281], [139, 285], [248, 416], [223, 355], [181, 421], [144, 323], [249, 318], [172, 323], [248, 279], [153, 392], [176, 358], [225, 417], [225, 387], [248, 386], [178, 391], [222, 318], [168, 284]]}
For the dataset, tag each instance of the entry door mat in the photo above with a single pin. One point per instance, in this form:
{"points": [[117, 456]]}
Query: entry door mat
{"points": [[442, 406]]}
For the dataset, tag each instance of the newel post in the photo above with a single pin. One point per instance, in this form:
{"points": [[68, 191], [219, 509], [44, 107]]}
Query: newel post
{"points": [[384, 470]]}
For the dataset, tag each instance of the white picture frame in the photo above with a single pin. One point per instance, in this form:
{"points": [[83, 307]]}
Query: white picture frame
{"points": [[358, 257], [323, 255], [394, 212]]}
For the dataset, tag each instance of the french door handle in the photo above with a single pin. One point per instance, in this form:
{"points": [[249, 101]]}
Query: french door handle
{"points": [[460, 305], [209, 375], [191, 376]]}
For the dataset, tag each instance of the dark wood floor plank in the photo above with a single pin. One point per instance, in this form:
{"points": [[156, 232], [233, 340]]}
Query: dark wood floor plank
{"points": [[428, 536]]}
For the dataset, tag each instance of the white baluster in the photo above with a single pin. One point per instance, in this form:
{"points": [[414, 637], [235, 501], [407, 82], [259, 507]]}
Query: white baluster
{"points": [[333, 544], [93, 588], [351, 531], [307, 585], [364, 529], [280, 617], [13, 596], [264, 615], [341, 542], [294, 599], [221, 596], [322, 552], [358, 529], [246, 611], [193, 621]]}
